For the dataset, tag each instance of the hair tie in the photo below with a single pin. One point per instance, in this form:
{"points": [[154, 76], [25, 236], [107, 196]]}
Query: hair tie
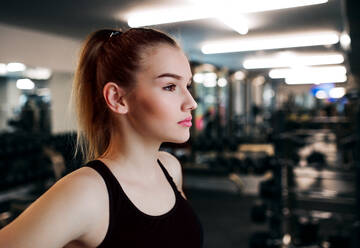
{"points": [[114, 33]]}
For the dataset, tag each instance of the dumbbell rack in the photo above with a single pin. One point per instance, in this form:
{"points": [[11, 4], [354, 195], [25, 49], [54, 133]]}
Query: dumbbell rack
{"points": [[305, 215]]}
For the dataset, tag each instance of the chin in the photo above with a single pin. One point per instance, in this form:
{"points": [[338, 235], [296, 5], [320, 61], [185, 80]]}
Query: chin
{"points": [[179, 139]]}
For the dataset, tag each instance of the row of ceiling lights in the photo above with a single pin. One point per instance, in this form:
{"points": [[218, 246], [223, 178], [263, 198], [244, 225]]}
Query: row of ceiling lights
{"points": [[21, 70], [25, 74], [287, 60], [227, 11], [231, 15]]}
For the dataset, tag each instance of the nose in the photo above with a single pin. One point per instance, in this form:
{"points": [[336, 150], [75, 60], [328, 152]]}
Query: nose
{"points": [[189, 102]]}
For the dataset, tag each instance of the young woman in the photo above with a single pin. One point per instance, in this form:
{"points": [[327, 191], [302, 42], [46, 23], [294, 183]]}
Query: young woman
{"points": [[131, 94]]}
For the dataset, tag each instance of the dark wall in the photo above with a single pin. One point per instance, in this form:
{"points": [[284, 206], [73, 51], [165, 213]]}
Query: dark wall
{"points": [[353, 15]]}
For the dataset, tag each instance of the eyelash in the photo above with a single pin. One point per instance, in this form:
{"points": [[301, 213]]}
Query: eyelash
{"points": [[173, 85]]}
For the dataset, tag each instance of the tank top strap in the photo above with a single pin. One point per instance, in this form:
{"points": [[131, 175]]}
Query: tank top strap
{"points": [[168, 177], [104, 171], [111, 182]]}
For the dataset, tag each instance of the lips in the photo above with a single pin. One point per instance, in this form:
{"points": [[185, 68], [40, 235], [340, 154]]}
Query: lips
{"points": [[186, 122]]}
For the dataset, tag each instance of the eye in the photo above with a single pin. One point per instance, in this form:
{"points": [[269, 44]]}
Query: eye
{"points": [[170, 87]]}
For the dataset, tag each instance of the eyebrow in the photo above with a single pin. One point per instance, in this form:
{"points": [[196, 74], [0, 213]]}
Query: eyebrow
{"points": [[171, 75]]}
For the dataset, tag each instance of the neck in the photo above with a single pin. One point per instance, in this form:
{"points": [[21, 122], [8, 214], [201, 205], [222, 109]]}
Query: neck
{"points": [[131, 152]]}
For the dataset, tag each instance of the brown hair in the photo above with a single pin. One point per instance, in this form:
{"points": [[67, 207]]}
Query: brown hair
{"points": [[107, 56]]}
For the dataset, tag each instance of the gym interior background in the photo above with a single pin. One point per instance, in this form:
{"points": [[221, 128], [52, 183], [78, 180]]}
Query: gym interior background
{"points": [[273, 159]]}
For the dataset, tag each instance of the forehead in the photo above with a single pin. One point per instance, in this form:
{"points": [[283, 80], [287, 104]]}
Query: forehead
{"points": [[162, 58]]}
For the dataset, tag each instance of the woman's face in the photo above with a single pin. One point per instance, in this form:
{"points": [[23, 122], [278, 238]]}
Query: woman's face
{"points": [[161, 98]]}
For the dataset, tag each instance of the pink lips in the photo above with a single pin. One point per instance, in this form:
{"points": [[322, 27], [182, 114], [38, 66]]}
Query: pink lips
{"points": [[186, 122]]}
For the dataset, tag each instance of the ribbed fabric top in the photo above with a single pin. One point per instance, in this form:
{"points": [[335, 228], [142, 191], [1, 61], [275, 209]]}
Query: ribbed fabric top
{"points": [[131, 228]]}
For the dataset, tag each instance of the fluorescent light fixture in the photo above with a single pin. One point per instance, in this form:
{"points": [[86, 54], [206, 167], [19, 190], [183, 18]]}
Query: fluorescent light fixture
{"points": [[198, 78], [311, 71], [255, 5], [315, 79], [38, 73], [210, 76], [222, 82], [272, 42], [321, 94], [293, 60], [166, 15], [25, 84], [209, 9], [15, 67], [236, 22], [208, 79], [337, 92], [3, 69]]}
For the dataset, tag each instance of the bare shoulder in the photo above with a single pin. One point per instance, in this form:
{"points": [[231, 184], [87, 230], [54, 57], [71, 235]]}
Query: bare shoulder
{"points": [[70, 205], [173, 166], [84, 183]]}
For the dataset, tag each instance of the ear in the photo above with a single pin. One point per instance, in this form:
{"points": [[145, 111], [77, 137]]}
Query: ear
{"points": [[114, 96]]}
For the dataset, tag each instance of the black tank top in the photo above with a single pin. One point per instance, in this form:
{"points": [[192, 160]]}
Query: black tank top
{"points": [[131, 228]]}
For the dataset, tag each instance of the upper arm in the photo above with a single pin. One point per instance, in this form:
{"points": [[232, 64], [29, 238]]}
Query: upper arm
{"points": [[174, 168], [59, 216]]}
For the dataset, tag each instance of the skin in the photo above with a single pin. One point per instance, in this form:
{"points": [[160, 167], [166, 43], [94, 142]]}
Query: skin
{"points": [[74, 211]]}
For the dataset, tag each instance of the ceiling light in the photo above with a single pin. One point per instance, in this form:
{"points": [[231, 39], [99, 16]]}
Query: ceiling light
{"points": [[239, 75], [298, 72], [337, 92], [25, 84], [293, 60], [345, 41], [321, 94], [236, 22], [255, 5], [14, 67], [318, 79], [209, 79], [38, 73], [286, 239], [198, 78], [3, 69], [222, 82], [272, 42], [201, 9], [166, 15]]}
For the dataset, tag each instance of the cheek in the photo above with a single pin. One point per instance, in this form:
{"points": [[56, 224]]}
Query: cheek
{"points": [[153, 108]]}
